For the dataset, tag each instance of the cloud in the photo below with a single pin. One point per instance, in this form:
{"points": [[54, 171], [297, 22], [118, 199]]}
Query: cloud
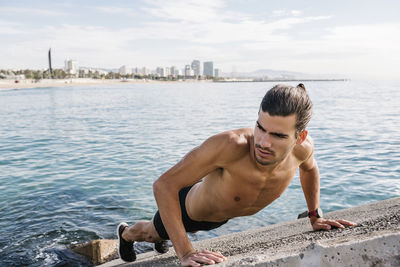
{"points": [[10, 28], [93, 46], [199, 28], [185, 11], [33, 11], [116, 10], [296, 12], [287, 23], [379, 36], [286, 13], [209, 23], [365, 51]]}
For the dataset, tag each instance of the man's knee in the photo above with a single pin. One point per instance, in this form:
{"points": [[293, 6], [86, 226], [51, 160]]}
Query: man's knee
{"points": [[145, 231], [152, 233]]}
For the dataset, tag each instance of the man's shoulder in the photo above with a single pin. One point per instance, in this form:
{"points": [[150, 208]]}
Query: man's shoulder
{"points": [[304, 150], [232, 143], [236, 138]]}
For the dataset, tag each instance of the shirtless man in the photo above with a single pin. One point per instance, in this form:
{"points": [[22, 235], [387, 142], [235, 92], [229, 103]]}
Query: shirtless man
{"points": [[234, 173]]}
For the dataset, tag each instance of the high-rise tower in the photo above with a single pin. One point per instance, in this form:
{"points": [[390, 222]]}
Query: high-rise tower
{"points": [[50, 69], [196, 67], [208, 69]]}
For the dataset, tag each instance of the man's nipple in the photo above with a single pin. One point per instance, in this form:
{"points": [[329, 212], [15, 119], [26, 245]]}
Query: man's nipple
{"points": [[237, 199]]}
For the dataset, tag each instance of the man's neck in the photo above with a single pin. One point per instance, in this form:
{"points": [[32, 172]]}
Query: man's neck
{"points": [[265, 168], [269, 168]]}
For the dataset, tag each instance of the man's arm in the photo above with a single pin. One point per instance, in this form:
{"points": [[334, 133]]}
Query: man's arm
{"points": [[202, 160], [309, 178]]}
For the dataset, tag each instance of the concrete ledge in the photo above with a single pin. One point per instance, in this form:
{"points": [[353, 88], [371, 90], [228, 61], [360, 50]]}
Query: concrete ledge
{"points": [[382, 250], [375, 241], [98, 251]]}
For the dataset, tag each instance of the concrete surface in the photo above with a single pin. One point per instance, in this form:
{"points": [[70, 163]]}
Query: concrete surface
{"points": [[375, 241], [98, 251]]}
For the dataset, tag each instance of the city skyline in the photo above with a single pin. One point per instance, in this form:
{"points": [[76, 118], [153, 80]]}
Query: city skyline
{"points": [[357, 39], [193, 69]]}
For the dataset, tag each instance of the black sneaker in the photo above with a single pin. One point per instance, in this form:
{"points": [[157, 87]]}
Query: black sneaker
{"points": [[161, 247], [125, 249]]}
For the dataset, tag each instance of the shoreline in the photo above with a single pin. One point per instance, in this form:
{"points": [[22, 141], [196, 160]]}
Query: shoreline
{"points": [[10, 84], [30, 83]]}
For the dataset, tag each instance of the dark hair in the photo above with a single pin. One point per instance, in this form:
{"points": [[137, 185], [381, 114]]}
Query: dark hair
{"points": [[285, 100]]}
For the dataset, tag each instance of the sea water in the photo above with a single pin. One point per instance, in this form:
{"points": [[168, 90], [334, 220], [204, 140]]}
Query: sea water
{"points": [[76, 161]]}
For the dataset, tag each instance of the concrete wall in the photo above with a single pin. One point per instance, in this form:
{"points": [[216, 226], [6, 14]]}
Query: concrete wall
{"points": [[375, 241]]}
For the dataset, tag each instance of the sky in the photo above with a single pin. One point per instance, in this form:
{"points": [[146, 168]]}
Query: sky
{"points": [[357, 39]]}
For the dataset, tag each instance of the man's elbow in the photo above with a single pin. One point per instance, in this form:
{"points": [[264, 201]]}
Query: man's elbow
{"points": [[162, 185], [309, 166], [157, 187]]}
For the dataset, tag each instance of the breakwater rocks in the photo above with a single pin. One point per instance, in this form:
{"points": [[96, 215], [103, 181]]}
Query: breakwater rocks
{"points": [[375, 241]]}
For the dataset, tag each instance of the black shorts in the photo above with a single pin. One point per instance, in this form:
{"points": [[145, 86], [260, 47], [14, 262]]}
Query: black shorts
{"points": [[190, 225]]}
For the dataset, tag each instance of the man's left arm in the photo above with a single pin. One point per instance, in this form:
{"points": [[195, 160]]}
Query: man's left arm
{"points": [[309, 178]]}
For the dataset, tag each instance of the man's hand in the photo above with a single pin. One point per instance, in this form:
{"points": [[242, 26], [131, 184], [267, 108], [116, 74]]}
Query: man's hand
{"points": [[323, 224], [202, 257]]}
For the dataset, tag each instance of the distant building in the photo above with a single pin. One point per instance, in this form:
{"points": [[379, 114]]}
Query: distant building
{"points": [[160, 71], [71, 67], [188, 71], [145, 71], [102, 72], [217, 73], [174, 71], [125, 70], [196, 67], [50, 68], [167, 71], [208, 68]]}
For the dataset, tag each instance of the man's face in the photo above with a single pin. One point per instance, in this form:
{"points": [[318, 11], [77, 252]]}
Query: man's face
{"points": [[274, 137]]}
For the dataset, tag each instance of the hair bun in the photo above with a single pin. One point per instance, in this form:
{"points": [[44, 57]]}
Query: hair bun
{"points": [[301, 86]]}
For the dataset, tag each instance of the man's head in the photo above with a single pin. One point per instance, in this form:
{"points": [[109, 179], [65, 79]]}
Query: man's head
{"points": [[283, 116], [284, 100]]}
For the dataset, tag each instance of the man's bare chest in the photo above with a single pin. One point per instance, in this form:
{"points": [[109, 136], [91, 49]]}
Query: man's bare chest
{"points": [[237, 190], [253, 189]]}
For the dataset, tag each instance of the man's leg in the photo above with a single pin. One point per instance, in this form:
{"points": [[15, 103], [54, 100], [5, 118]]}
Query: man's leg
{"points": [[140, 231]]}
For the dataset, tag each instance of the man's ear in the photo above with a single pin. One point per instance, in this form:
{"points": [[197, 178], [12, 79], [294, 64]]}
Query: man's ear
{"points": [[302, 136]]}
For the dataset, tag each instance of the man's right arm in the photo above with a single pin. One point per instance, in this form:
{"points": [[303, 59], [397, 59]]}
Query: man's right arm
{"points": [[213, 153]]}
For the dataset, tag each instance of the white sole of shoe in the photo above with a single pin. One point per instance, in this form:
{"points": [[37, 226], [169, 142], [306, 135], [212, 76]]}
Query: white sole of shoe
{"points": [[119, 241]]}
